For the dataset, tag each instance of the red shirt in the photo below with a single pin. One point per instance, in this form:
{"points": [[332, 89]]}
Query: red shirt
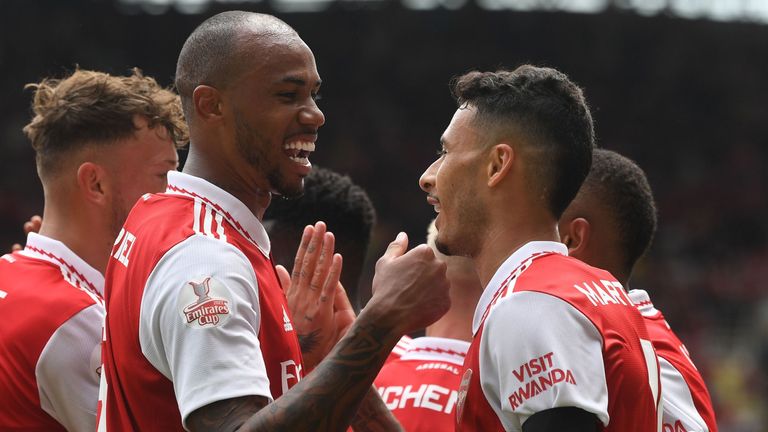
{"points": [[52, 310], [421, 386], [192, 294], [551, 331], [686, 403]]}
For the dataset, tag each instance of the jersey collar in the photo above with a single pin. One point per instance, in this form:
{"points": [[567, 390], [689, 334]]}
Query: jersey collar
{"points": [[436, 349], [76, 271], [239, 216], [507, 267], [643, 303]]}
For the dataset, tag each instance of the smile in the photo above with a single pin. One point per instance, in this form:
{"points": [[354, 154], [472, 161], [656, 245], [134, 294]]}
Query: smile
{"points": [[299, 151]]}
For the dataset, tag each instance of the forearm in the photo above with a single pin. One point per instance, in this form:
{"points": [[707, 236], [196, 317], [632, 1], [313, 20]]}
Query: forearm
{"points": [[327, 398], [373, 415]]}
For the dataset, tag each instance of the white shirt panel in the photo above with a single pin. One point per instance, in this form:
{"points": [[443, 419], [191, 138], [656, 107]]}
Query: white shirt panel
{"points": [[67, 371], [206, 364], [520, 346], [506, 268], [677, 401]]}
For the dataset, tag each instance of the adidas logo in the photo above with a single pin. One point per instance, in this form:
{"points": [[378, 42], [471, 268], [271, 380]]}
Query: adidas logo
{"points": [[286, 321]]}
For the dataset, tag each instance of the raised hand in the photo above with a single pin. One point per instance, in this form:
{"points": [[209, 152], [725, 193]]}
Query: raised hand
{"points": [[410, 288], [32, 225], [312, 293]]}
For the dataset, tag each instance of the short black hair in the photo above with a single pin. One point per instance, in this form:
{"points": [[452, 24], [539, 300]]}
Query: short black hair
{"points": [[334, 199], [546, 108], [622, 188], [212, 54]]}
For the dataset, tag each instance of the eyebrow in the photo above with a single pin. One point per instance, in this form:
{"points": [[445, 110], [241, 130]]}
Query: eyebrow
{"points": [[299, 81]]}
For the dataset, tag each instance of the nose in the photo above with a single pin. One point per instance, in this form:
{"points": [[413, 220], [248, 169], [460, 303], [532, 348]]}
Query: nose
{"points": [[427, 179], [312, 116]]}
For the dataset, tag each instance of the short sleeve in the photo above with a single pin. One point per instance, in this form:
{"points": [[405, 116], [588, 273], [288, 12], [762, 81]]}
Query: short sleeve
{"points": [[199, 323], [677, 401], [538, 352], [67, 371]]}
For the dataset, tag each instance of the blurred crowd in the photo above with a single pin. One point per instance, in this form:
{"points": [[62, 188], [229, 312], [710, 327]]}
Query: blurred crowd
{"points": [[685, 99]]}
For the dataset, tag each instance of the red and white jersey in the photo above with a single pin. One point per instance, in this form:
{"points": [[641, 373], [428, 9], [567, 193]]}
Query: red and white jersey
{"points": [[50, 301], [195, 312], [686, 403], [551, 331], [421, 387]]}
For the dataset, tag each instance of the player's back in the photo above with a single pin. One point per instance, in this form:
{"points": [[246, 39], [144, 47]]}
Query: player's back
{"points": [[686, 402], [631, 368], [36, 298], [557, 333], [420, 386]]}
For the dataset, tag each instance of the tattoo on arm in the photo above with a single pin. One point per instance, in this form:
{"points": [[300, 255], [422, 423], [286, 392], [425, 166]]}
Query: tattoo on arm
{"points": [[308, 342], [225, 415], [373, 415], [327, 398]]}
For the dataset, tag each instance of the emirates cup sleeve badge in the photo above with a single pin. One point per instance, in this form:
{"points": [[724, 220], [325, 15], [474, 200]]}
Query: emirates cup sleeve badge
{"points": [[204, 302], [462, 395]]}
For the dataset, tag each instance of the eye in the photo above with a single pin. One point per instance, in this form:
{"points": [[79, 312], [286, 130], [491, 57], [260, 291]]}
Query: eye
{"points": [[442, 152], [287, 95], [316, 96]]}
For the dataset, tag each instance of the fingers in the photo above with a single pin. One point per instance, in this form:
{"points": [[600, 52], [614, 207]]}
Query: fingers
{"points": [[341, 301], [284, 277], [315, 250], [33, 224], [324, 264], [397, 247], [332, 278], [306, 237]]}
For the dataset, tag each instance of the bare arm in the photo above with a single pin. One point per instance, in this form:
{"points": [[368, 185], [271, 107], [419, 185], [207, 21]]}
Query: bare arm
{"points": [[373, 415], [412, 293], [325, 400]]}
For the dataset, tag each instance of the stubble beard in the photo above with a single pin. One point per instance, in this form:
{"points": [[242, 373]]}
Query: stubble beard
{"points": [[255, 150], [463, 239]]}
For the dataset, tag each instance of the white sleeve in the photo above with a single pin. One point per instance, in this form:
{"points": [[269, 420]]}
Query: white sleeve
{"points": [[199, 323], [538, 352], [67, 372], [677, 401]]}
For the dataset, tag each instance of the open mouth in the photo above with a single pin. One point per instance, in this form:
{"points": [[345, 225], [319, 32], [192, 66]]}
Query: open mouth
{"points": [[299, 151], [434, 202]]}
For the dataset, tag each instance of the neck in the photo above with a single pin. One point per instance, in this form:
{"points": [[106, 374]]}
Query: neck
{"points": [[457, 323], [506, 238], [216, 171], [90, 238]]}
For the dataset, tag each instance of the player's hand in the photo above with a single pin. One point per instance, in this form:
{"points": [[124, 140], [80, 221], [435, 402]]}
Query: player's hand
{"points": [[312, 293], [32, 225], [410, 289]]}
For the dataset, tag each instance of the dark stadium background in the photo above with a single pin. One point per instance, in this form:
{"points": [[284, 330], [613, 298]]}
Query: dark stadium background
{"points": [[686, 98]]}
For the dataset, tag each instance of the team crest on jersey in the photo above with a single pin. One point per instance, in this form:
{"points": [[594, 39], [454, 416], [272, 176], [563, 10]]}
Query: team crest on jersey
{"points": [[205, 303], [463, 388]]}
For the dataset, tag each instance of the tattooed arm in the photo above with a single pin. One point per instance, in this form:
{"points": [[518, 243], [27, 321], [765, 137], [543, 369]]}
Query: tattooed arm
{"points": [[373, 415], [410, 292]]}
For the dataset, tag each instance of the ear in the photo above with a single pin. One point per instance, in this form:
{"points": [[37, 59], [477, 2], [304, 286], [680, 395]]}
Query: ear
{"points": [[93, 183], [500, 163], [577, 236], [207, 101]]}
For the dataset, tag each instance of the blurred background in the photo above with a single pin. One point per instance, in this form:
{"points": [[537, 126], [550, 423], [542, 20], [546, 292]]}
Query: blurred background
{"points": [[680, 86]]}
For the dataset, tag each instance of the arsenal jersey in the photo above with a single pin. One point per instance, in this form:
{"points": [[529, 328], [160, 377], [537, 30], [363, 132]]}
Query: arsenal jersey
{"points": [[686, 404], [421, 386], [50, 301], [195, 312], [551, 331]]}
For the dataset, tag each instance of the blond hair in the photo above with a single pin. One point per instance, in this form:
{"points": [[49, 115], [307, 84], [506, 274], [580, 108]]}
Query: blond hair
{"points": [[95, 108]]}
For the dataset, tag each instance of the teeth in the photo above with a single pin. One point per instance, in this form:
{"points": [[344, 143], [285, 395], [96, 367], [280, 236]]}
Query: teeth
{"points": [[301, 145], [299, 160]]}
